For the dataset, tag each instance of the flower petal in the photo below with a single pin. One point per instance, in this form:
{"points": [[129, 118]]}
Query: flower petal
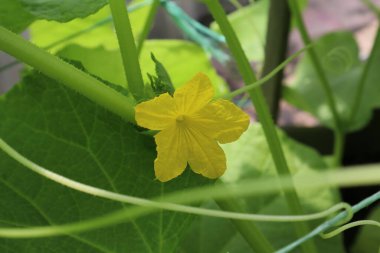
{"points": [[156, 114], [194, 95], [220, 120], [205, 155], [171, 158]]}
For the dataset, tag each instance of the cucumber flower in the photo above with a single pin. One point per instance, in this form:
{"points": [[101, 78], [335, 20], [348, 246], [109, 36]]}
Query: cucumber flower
{"points": [[191, 125]]}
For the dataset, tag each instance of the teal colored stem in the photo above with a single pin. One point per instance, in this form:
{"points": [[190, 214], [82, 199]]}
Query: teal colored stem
{"points": [[364, 76], [67, 74], [262, 111], [148, 25], [331, 222], [127, 48]]}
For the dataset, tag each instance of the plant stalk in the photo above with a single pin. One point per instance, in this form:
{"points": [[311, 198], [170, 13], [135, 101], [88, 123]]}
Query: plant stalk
{"points": [[127, 48], [275, 52], [67, 74], [262, 111], [148, 25], [248, 229]]}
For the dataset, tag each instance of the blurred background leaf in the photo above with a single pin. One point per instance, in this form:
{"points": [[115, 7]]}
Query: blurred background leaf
{"points": [[339, 55]]}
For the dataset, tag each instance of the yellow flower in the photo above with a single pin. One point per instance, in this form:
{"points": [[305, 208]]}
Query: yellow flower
{"points": [[191, 125]]}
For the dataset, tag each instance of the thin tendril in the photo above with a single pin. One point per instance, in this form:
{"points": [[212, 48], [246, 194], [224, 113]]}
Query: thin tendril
{"points": [[348, 226], [264, 79], [161, 205]]}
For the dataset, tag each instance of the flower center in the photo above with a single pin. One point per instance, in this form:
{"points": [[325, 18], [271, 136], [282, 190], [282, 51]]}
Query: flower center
{"points": [[180, 118]]}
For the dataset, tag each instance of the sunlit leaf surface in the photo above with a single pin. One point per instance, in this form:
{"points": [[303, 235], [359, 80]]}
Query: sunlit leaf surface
{"points": [[181, 59]]}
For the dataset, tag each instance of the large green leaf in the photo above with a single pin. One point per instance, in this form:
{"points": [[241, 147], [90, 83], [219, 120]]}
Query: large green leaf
{"points": [[16, 15], [250, 157], [339, 56], [62, 11], [102, 35], [63, 131], [188, 60], [13, 15], [93, 31]]}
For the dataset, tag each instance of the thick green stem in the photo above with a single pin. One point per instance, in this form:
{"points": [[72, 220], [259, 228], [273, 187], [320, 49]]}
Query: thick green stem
{"points": [[67, 74], [248, 229], [275, 52], [262, 111], [127, 48], [339, 131], [148, 25], [340, 140], [363, 78]]}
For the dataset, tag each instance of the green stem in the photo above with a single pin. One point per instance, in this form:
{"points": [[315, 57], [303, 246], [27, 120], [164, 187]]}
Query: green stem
{"points": [[127, 48], [348, 226], [363, 78], [339, 131], [275, 52], [67, 74], [339, 141], [195, 194], [262, 111], [148, 25], [248, 229]]}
